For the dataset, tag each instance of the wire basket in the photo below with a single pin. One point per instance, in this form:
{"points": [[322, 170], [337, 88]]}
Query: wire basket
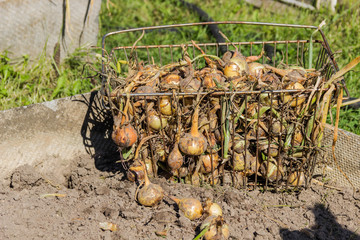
{"points": [[256, 139]]}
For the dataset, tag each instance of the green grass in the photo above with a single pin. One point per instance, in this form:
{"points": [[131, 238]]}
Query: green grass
{"points": [[24, 82]]}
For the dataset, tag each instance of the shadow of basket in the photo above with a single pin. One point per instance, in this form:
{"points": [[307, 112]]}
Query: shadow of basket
{"points": [[96, 133]]}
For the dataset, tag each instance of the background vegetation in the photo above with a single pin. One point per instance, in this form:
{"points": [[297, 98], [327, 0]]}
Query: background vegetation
{"points": [[24, 82]]}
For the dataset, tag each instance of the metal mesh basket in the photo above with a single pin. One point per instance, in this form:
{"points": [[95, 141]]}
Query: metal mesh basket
{"points": [[269, 147]]}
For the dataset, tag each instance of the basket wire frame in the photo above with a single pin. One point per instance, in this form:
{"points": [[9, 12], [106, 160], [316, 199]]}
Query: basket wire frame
{"points": [[324, 60]]}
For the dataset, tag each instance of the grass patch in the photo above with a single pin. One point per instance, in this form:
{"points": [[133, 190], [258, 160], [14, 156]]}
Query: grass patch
{"points": [[25, 82]]}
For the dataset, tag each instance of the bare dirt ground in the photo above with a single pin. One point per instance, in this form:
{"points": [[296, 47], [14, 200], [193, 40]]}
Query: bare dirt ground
{"points": [[90, 197]]}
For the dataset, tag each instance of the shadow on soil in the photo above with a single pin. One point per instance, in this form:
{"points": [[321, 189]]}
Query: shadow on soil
{"points": [[325, 227], [96, 132]]}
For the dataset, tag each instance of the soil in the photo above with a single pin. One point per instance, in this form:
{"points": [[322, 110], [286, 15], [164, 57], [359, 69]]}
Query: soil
{"points": [[29, 209]]}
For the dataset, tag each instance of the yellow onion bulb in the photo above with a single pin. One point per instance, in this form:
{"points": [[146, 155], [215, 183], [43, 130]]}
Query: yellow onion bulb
{"points": [[296, 178], [171, 79], [212, 209], [252, 165], [237, 66], [206, 162], [154, 121], [124, 136], [273, 171], [256, 69], [289, 97], [191, 207], [217, 228], [165, 106], [135, 172]]}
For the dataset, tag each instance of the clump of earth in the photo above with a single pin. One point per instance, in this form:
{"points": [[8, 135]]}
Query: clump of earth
{"points": [[34, 206]]}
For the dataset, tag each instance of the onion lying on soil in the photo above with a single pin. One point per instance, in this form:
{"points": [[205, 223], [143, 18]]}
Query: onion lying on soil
{"points": [[212, 209], [191, 207], [217, 228], [150, 194]]}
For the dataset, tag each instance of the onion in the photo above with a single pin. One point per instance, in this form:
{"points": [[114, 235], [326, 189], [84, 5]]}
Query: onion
{"points": [[298, 137], [124, 134], [265, 100], [236, 66], [172, 80], [272, 172], [150, 194], [193, 143], [239, 145], [165, 106], [296, 178], [175, 160], [154, 120], [136, 172], [206, 162], [251, 163], [217, 228], [295, 101], [183, 172], [208, 79], [256, 69], [212, 209], [191, 207]]}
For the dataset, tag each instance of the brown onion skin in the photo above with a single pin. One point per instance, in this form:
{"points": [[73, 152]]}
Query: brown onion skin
{"points": [[212, 209], [165, 106], [273, 171], [206, 162], [218, 229], [256, 69], [150, 195], [175, 159], [136, 172], [193, 143], [191, 207], [296, 179], [172, 79], [124, 136]]}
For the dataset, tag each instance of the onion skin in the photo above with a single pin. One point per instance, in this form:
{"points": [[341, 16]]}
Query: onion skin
{"points": [[175, 159], [251, 162], [296, 179], [154, 121], [171, 79], [294, 101], [256, 69], [218, 229], [206, 162], [191, 207], [212, 209], [150, 194], [193, 143], [208, 79], [135, 172], [165, 106], [272, 172], [124, 136], [236, 66]]}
